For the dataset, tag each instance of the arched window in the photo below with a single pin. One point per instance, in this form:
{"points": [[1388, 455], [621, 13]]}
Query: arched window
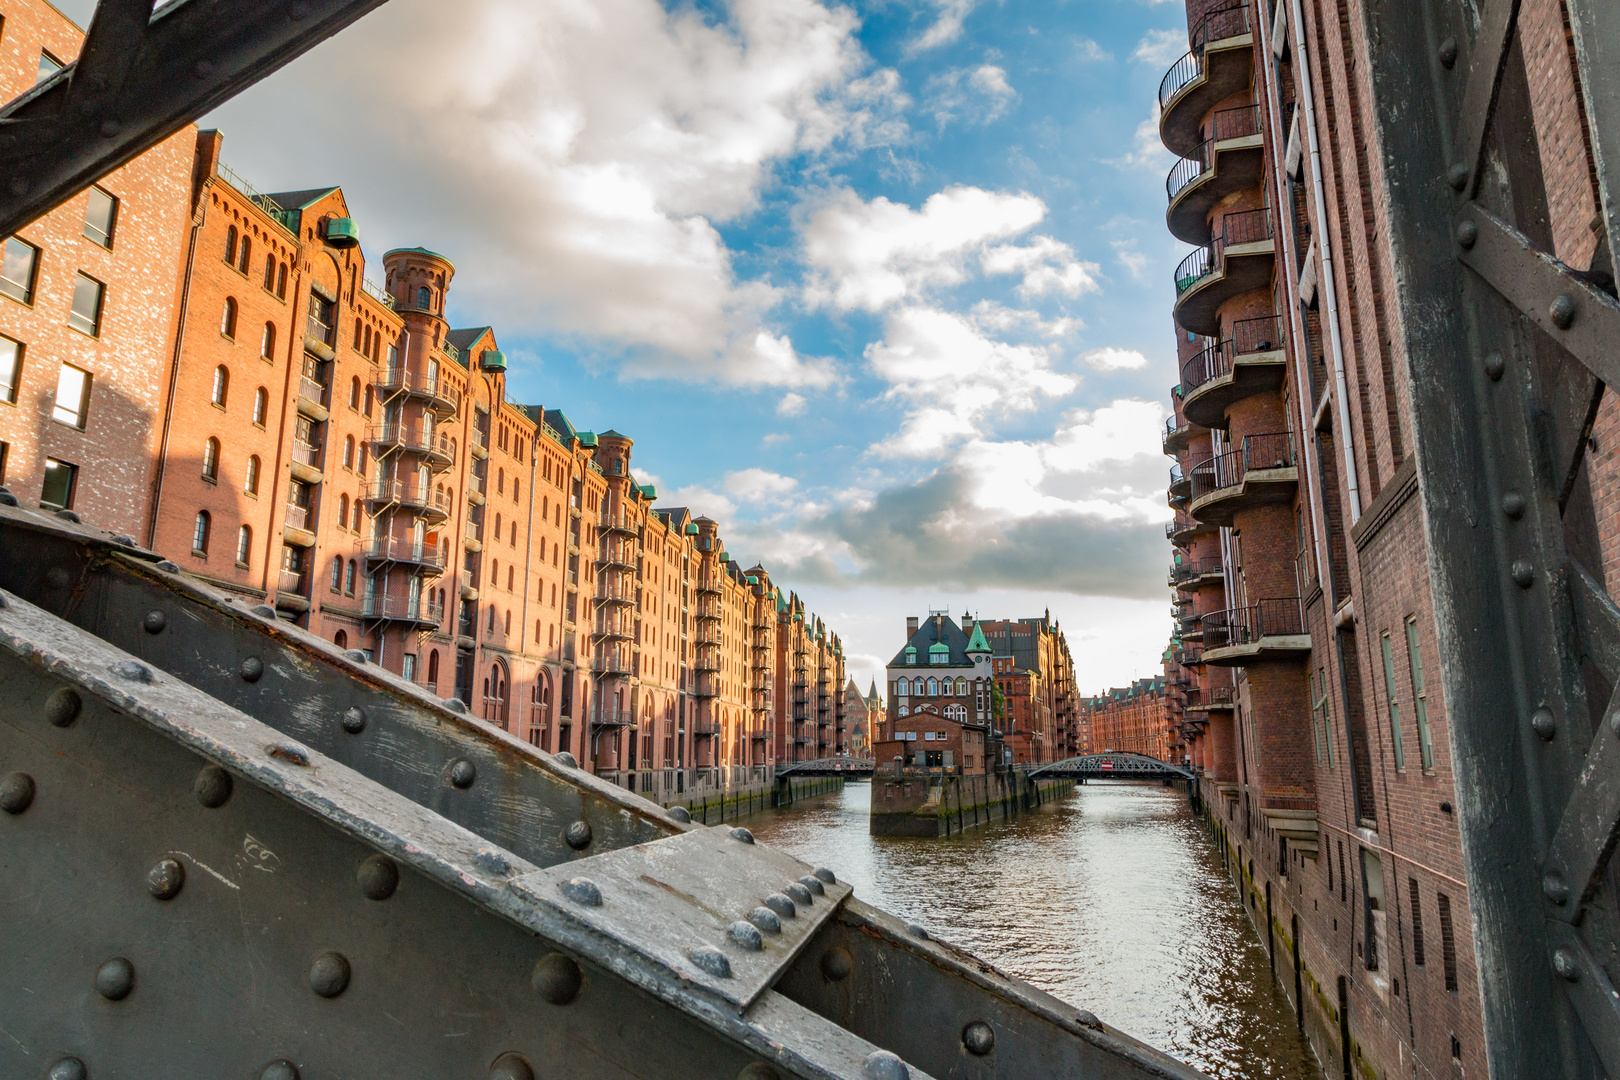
{"points": [[491, 621], [281, 282], [247, 249], [210, 462], [433, 670], [495, 572], [424, 298], [933, 686], [343, 511], [267, 342], [348, 451], [269, 271], [902, 688], [250, 483], [367, 409], [515, 497], [500, 483], [514, 534], [357, 515], [509, 570], [261, 405], [341, 639], [961, 687], [508, 630], [199, 533], [230, 245], [227, 319], [222, 386], [497, 526], [244, 545], [337, 572], [357, 328], [348, 582]]}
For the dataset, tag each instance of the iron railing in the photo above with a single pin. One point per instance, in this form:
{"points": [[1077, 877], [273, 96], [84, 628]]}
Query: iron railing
{"points": [[399, 549], [307, 454], [297, 517], [1226, 124], [1260, 334], [1269, 451], [404, 608], [1282, 616], [312, 390], [1192, 568], [1240, 227], [397, 378], [408, 437], [1215, 26]]}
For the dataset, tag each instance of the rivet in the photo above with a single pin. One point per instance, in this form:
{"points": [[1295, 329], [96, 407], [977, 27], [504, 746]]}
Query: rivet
{"points": [[917, 931], [1554, 888], [577, 835], [825, 875], [356, 655], [329, 974], [7, 499], [166, 879], [556, 979], [1562, 311], [213, 786], [837, 963], [378, 877], [1457, 176], [1494, 366], [766, 919], [69, 1068], [1467, 234], [511, 1067], [174, 568], [16, 792], [709, 959], [252, 669], [280, 1069], [978, 1038], [263, 611], [133, 670], [743, 835], [746, 934], [813, 883], [69, 516], [1513, 505], [462, 773], [882, 1065], [155, 622], [1448, 52], [455, 705], [1543, 724], [568, 761], [1566, 965], [681, 814], [798, 894], [582, 891], [758, 1071], [62, 707], [126, 541], [1524, 573], [354, 720], [781, 905], [115, 979], [1087, 1018]]}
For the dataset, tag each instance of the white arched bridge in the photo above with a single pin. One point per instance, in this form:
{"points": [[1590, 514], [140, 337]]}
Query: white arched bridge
{"points": [[1115, 765]]}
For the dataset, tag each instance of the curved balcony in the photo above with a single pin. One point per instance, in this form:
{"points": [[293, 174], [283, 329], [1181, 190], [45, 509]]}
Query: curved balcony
{"points": [[613, 663], [1178, 432], [616, 524], [1179, 484], [1251, 361], [427, 557], [1219, 64], [433, 391], [617, 595], [419, 498], [617, 555], [1259, 473], [1273, 629], [1183, 529], [608, 717], [405, 438], [1231, 160], [421, 612], [1240, 259], [1196, 572], [1211, 699], [611, 627], [708, 585]]}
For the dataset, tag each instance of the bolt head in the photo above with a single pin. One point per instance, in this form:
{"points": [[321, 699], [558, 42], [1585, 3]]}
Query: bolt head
{"points": [[69, 1068], [1087, 1018], [557, 979], [280, 1069], [799, 894], [511, 1067], [174, 568], [62, 707], [582, 891], [154, 622], [837, 964], [1494, 366], [378, 877], [1524, 573], [825, 875], [746, 935], [1566, 965], [354, 720], [813, 883], [213, 786], [1513, 505], [329, 974], [115, 979], [1543, 724], [462, 773], [16, 792], [1467, 234], [882, 1065], [1448, 53], [783, 906], [578, 835], [252, 669], [166, 879], [1562, 311], [681, 814], [1554, 888], [569, 761], [743, 835], [917, 931], [1457, 176], [133, 670], [978, 1038], [712, 961]]}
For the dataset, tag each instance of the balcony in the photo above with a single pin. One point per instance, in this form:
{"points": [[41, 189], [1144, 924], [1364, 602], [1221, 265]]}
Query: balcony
{"points": [[1250, 361], [612, 626], [1260, 473], [1220, 64], [403, 609], [1183, 529], [616, 525], [306, 463], [614, 594], [312, 397], [435, 392], [613, 663], [420, 498], [1273, 629], [298, 530], [708, 585], [1239, 260], [617, 557], [478, 444], [704, 729], [1212, 699], [706, 665], [1179, 484], [292, 592], [404, 438], [408, 552], [1231, 160], [1192, 573]]}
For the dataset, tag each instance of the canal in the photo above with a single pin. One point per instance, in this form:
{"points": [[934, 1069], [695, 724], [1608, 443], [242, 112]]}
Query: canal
{"points": [[1113, 899]]}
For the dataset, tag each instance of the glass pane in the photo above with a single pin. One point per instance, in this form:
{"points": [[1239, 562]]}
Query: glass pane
{"points": [[17, 270], [1394, 709], [98, 217], [10, 368], [86, 313], [48, 66], [71, 387], [57, 491]]}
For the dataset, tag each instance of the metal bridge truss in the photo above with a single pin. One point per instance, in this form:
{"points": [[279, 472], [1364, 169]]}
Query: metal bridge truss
{"points": [[833, 766], [1119, 766], [231, 849]]}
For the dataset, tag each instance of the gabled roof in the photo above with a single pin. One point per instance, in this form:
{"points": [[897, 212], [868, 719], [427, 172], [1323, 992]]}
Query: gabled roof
{"points": [[977, 643], [463, 339], [297, 200], [559, 423], [932, 631]]}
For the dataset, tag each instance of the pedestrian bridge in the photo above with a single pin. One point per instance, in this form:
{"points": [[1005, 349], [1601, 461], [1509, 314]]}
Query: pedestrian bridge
{"points": [[1112, 765], [832, 766]]}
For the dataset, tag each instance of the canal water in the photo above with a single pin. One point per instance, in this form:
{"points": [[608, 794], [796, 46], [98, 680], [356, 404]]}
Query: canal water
{"points": [[1112, 899]]}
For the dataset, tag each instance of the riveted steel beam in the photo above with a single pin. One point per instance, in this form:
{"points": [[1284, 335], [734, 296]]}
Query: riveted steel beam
{"points": [[142, 76]]}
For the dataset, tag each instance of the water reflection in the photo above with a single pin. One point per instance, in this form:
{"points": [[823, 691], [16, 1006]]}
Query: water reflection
{"points": [[1113, 899]]}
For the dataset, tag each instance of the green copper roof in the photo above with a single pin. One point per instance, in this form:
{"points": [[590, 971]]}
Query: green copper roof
{"points": [[977, 643], [938, 647], [587, 438], [649, 492], [413, 251], [911, 648]]}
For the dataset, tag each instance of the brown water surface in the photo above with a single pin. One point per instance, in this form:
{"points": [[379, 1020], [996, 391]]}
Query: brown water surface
{"points": [[1113, 899]]}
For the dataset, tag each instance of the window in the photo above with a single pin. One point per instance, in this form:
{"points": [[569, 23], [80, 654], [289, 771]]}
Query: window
{"points": [[322, 319], [341, 639], [1448, 942], [269, 272], [17, 269], [11, 354], [348, 451], [1394, 704], [354, 392], [343, 511], [267, 342], [227, 319], [424, 298], [72, 397], [337, 573], [261, 405], [1420, 703], [210, 460], [357, 518], [933, 687], [244, 546], [230, 245], [281, 282], [247, 249], [1417, 924], [1319, 717], [61, 483], [199, 534], [222, 386], [48, 66], [85, 315], [100, 216], [348, 581]]}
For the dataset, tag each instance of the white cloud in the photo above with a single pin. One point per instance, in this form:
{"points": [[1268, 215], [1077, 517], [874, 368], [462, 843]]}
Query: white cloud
{"points": [[1110, 358], [791, 405], [1047, 265], [946, 27], [1133, 260], [1161, 48], [757, 485], [774, 437], [977, 95], [1147, 152], [1090, 50]]}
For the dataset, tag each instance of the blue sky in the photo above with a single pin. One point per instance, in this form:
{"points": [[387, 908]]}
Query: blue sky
{"points": [[884, 288]]}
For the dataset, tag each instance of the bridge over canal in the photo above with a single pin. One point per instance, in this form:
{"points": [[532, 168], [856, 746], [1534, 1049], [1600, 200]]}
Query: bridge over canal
{"points": [[1110, 766]]}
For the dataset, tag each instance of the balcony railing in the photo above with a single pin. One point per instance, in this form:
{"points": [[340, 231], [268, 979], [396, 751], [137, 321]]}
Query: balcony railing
{"points": [[408, 494], [399, 549], [1215, 26], [1192, 568], [306, 454], [1275, 617], [1177, 476], [1270, 451], [404, 609], [389, 379], [609, 716], [1257, 335], [297, 517], [407, 437], [292, 581], [1243, 227], [1227, 124], [311, 390], [607, 625], [613, 662]]}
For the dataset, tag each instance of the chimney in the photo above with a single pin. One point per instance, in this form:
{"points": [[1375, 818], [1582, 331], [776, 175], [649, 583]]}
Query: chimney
{"points": [[911, 626]]}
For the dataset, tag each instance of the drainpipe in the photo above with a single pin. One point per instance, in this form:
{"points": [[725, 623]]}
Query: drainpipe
{"points": [[198, 217], [1328, 286]]}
